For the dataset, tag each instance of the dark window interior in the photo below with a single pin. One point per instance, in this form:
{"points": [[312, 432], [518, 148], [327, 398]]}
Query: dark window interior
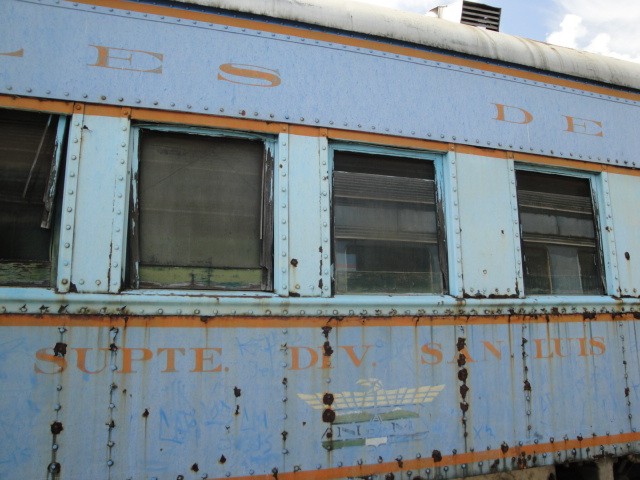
{"points": [[386, 235]]}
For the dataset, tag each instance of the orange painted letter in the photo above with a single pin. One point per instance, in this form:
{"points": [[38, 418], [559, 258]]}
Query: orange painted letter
{"points": [[17, 53], [43, 356], [251, 75], [509, 114], [82, 360], [584, 126], [132, 60], [312, 358], [597, 343], [432, 349], [171, 358], [200, 359], [352, 354], [127, 358]]}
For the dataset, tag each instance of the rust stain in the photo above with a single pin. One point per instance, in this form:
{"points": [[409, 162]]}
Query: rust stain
{"points": [[56, 428], [91, 319], [60, 349]]}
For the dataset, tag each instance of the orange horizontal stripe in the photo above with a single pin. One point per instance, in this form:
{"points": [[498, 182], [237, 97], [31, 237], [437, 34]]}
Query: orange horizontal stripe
{"points": [[24, 103], [260, 322], [355, 42], [416, 464], [212, 121]]}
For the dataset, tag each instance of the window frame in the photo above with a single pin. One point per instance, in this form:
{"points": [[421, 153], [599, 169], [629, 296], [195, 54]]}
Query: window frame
{"points": [[270, 142], [595, 188], [25, 273], [437, 161]]}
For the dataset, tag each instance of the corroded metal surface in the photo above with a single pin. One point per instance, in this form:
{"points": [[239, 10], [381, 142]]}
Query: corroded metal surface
{"points": [[322, 397]]}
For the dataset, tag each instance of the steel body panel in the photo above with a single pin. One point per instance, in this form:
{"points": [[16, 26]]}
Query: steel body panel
{"points": [[490, 238], [100, 194], [421, 29], [309, 179], [124, 58], [241, 402], [625, 197]]}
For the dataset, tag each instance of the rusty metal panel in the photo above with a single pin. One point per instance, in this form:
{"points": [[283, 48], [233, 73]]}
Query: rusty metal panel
{"points": [[309, 270], [490, 236], [624, 193], [240, 397], [139, 59]]}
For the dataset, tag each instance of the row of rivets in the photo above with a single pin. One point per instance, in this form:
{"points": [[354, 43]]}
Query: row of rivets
{"points": [[515, 221], [453, 217], [113, 387], [119, 229], [325, 217], [69, 200], [416, 60], [281, 215], [608, 235]]}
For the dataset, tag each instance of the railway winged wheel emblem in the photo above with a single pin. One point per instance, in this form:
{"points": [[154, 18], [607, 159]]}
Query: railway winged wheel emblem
{"points": [[373, 416]]}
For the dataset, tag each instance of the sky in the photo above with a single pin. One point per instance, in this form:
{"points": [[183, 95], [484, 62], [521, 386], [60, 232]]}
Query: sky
{"points": [[607, 27]]}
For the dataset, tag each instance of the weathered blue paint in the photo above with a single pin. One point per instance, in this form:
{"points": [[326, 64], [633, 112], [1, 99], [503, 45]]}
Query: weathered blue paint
{"points": [[243, 395], [144, 60], [221, 398]]}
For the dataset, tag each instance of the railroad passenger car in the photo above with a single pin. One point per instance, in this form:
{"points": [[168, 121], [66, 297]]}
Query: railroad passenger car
{"points": [[312, 240]]}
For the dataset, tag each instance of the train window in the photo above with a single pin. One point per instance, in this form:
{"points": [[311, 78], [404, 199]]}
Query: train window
{"points": [[203, 216], [29, 161], [385, 224], [559, 235]]}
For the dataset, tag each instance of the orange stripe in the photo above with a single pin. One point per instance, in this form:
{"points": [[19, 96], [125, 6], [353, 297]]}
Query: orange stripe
{"points": [[52, 106], [355, 42], [261, 322], [416, 464], [208, 121], [204, 120]]}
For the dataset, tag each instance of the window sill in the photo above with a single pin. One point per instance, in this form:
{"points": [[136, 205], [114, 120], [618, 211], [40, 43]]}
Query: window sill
{"points": [[23, 300]]}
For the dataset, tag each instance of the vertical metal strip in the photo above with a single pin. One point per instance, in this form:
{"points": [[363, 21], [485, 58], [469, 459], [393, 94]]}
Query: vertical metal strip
{"points": [[120, 203], [65, 256], [325, 217], [606, 232], [447, 186], [281, 216], [515, 222]]}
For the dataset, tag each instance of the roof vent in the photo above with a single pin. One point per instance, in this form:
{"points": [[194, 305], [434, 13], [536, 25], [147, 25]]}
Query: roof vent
{"points": [[480, 15]]}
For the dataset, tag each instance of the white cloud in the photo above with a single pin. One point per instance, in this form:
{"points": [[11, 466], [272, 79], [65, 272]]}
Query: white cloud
{"points": [[571, 29], [607, 27]]}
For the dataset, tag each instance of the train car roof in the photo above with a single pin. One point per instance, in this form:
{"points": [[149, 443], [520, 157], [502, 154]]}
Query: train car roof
{"points": [[435, 33]]}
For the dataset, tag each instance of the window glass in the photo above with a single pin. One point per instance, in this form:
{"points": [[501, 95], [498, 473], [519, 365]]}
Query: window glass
{"points": [[385, 225], [27, 147], [201, 212], [559, 240]]}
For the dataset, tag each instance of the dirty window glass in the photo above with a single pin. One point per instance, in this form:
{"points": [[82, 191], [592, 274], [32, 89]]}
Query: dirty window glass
{"points": [[201, 212], [27, 147], [559, 238], [385, 225]]}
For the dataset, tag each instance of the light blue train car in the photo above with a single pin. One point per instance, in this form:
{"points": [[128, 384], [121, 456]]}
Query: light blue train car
{"points": [[312, 240]]}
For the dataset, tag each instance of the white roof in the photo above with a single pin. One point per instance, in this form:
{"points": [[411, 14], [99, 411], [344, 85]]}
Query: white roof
{"points": [[440, 34]]}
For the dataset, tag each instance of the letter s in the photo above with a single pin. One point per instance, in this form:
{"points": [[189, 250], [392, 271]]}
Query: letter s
{"points": [[432, 349], [43, 356], [251, 75]]}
